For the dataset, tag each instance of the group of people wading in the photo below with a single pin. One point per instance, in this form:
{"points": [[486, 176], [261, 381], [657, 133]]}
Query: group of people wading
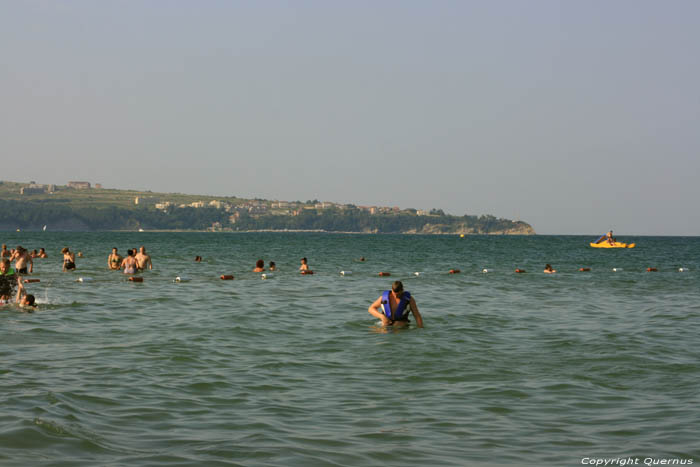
{"points": [[393, 307], [132, 263]]}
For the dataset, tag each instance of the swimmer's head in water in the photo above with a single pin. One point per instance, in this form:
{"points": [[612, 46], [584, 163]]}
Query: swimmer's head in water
{"points": [[28, 300], [397, 287], [65, 250], [259, 263]]}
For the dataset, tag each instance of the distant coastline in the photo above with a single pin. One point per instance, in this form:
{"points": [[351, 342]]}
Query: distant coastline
{"points": [[81, 207]]}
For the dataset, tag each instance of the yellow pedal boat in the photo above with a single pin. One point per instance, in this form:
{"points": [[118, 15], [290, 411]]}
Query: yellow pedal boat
{"points": [[605, 244]]}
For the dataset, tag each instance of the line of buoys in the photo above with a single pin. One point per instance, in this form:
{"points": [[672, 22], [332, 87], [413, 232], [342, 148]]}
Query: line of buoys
{"points": [[617, 269], [346, 273], [520, 271], [266, 275], [83, 279], [683, 269], [384, 274], [652, 270], [454, 271], [584, 269], [29, 281], [135, 279], [227, 277], [181, 279], [416, 273], [307, 272], [486, 270]]}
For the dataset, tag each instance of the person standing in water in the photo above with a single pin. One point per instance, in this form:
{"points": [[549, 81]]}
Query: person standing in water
{"points": [[114, 260], [143, 259], [394, 306], [21, 257], [129, 264], [5, 268], [259, 266], [68, 259], [304, 264]]}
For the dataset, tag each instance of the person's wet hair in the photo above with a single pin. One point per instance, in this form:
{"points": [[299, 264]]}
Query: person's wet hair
{"points": [[31, 301], [7, 285], [397, 287], [259, 263]]}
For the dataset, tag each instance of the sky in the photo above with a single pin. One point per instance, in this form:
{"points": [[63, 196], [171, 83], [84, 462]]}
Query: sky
{"points": [[576, 117]]}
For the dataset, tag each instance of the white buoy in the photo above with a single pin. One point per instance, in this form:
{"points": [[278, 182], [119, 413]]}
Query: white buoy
{"points": [[266, 276], [182, 279], [83, 279], [683, 269], [486, 270], [416, 273], [346, 273], [617, 269]]}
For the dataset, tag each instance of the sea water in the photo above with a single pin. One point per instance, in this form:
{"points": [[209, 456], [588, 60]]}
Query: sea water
{"points": [[519, 369]]}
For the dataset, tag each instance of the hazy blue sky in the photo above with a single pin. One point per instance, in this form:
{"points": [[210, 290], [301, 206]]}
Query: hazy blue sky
{"points": [[574, 116]]}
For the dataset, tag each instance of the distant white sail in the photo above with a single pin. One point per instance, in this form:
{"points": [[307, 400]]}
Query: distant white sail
{"points": [[44, 229]]}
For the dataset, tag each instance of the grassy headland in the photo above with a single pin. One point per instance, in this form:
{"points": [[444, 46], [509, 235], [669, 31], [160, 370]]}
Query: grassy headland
{"points": [[80, 209]]}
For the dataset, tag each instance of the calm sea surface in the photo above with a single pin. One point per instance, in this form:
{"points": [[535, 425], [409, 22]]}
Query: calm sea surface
{"points": [[514, 369]]}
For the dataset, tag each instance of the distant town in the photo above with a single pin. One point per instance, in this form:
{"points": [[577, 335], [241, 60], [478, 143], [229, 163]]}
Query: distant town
{"points": [[85, 200]]}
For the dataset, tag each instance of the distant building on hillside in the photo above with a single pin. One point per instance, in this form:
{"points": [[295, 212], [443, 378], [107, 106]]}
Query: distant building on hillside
{"points": [[33, 189], [98, 186], [79, 185]]}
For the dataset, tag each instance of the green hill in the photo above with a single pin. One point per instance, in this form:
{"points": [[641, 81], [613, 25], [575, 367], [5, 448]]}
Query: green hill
{"points": [[30, 207]]}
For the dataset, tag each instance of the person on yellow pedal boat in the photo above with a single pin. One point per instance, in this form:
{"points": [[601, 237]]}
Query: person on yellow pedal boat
{"points": [[609, 238]]}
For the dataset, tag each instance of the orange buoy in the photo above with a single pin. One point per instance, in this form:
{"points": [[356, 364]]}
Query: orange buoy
{"points": [[135, 279], [307, 271], [384, 274], [29, 281], [652, 269], [455, 271], [519, 270], [227, 277], [584, 269]]}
